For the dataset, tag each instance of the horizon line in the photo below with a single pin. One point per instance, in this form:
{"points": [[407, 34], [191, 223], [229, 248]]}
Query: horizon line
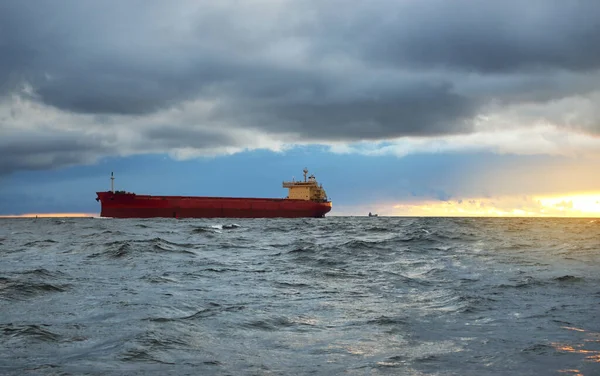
{"points": [[97, 215]]}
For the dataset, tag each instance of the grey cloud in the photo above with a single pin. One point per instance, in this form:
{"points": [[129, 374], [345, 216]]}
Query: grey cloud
{"points": [[368, 118], [485, 37], [125, 58], [51, 149], [177, 137], [45, 150], [319, 70]]}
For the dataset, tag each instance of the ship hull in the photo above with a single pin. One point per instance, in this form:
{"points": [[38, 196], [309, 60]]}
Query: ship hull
{"points": [[129, 205]]}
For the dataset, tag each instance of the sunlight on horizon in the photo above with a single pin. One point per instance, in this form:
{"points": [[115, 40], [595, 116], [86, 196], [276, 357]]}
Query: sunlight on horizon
{"points": [[576, 205], [50, 215], [584, 203]]}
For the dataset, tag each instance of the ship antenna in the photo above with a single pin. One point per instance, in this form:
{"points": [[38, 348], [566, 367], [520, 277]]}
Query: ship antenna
{"points": [[305, 172], [112, 182]]}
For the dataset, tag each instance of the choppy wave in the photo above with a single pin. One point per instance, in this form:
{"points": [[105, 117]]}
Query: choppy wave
{"points": [[32, 283], [16, 290], [30, 332], [137, 248], [309, 296]]}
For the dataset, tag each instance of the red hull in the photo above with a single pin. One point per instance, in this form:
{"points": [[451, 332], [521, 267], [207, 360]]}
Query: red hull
{"points": [[129, 205]]}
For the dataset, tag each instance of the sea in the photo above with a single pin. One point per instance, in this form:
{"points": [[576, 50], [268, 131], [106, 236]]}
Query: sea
{"points": [[326, 296]]}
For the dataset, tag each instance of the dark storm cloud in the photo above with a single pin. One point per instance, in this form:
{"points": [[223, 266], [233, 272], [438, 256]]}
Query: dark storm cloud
{"points": [[46, 150], [91, 58], [125, 57], [401, 113], [318, 70], [50, 149], [473, 36]]}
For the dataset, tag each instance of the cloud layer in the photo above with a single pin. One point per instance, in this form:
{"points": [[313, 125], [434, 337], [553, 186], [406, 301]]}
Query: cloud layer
{"points": [[79, 80]]}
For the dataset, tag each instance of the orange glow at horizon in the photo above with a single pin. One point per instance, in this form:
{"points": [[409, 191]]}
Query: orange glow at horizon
{"points": [[576, 205], [50, 215]]}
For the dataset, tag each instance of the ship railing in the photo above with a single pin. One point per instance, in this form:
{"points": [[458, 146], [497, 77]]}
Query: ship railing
{"points": [[289, 184]]}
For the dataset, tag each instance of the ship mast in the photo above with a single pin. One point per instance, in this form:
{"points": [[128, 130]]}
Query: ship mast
{"points": [[112, 182], [305, 172]]}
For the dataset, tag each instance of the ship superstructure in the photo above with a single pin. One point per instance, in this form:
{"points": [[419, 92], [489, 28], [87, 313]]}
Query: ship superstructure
{"points": [[306, 190]]}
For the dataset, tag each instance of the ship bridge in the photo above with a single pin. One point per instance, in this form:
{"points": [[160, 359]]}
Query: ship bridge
{"points": [[308, 190]]}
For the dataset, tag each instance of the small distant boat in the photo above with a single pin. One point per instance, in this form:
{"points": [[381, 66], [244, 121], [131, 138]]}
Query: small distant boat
{"points": [[372, 215]]}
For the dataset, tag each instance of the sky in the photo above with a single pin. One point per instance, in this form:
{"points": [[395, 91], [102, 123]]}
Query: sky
{"points": [[398, 107]]}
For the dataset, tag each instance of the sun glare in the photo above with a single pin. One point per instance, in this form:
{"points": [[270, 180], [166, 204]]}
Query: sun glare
{"points": [[568, 205], [579, 203]]}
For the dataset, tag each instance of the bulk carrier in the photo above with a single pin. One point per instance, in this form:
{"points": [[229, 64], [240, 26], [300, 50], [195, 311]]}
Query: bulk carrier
{"points": [[305, 199]]}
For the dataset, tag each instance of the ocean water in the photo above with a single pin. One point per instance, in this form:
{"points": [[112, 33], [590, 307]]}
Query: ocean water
{"points": [[330, 296]]}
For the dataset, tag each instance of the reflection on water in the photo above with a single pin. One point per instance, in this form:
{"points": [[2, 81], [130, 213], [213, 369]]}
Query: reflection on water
{"points": [[589, 348], [574, 372]]}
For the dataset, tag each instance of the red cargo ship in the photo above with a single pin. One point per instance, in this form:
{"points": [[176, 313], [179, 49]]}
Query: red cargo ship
{"points": [[305, 199]]}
